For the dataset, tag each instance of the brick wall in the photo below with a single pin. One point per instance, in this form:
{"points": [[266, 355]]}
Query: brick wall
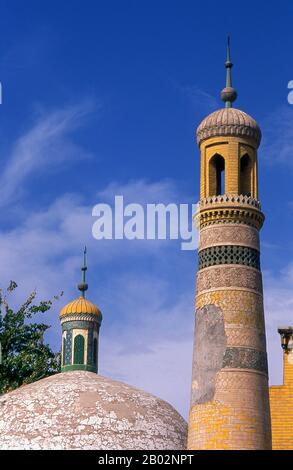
{"points": [[281, 403]]}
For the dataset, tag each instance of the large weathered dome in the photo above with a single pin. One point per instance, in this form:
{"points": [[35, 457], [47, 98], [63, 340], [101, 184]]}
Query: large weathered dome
{"points": [[230, 122], [82, 410]]}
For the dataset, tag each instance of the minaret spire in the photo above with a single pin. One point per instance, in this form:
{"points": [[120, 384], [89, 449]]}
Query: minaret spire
{"points": [[228, 64], [228, 94], [83, 286]]}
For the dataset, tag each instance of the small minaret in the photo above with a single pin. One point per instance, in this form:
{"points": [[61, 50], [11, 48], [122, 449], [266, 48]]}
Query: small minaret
{"points": [[81, 321], [230, 396]]}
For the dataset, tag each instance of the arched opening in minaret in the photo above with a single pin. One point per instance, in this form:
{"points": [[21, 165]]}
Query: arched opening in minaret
{"points": [[246, 175], [217, 175], [79, 349]]}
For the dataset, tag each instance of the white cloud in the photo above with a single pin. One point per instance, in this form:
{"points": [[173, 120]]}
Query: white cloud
{"points": [[277, 145], [46, 146]]}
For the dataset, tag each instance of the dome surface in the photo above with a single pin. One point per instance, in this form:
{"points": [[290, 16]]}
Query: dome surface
{"points": [[82, 410], [80, 305], [230, 122]]}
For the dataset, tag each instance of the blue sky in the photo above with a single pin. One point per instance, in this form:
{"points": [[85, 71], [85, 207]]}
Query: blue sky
{"points": [[103, 98]]}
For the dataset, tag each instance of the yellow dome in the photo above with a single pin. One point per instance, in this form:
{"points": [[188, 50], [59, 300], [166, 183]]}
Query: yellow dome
{"points": [[80, 305]]}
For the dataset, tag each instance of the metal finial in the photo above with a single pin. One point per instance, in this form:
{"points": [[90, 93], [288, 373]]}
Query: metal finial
{"points": [[228, 94], [83, 286], [228, 64]]}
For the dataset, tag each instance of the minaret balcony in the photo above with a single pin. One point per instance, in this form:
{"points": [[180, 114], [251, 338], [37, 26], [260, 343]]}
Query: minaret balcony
{"points": [[229, 208]]}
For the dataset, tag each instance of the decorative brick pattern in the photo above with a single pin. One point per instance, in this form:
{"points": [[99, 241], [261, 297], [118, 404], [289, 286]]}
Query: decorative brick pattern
{"points": [[228, 254], [88, 317], [229, 215], [247, 391], [242, 308], [229, 234], [245, 358], [240, 380], [216, 277], [230, 200], [245, 337]]}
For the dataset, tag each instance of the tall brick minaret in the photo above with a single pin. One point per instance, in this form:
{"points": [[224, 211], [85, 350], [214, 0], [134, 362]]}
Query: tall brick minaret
{"points": [[230, 399]]}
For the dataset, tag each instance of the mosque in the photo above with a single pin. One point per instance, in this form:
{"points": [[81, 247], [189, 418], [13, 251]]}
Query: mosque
{"points": [[232, 405]]}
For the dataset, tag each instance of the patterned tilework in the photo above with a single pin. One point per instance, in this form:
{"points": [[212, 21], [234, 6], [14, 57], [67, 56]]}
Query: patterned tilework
{"points": [[71, 328], [229, 234], [240, 307], [228, 276], [240, 379], [243, 336], [90, 347], [221, 216], [245, 358], [228, 254], [68, 351], [76, 325]]}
